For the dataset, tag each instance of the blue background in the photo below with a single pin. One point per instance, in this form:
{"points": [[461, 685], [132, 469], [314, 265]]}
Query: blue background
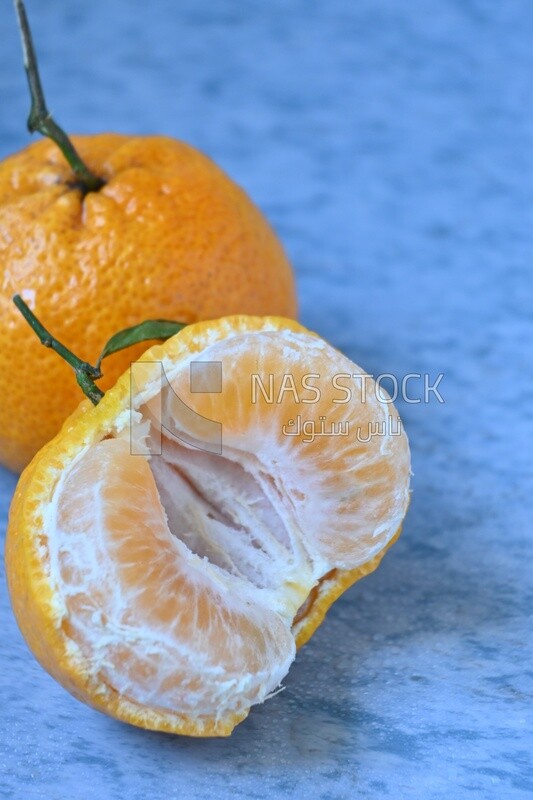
{"points": [[391, 145]]}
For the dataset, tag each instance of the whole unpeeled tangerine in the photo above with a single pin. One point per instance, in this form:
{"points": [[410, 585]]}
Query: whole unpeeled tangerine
{"points": [[169, 235]]}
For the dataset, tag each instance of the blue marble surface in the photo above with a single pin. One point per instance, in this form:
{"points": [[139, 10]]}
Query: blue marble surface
{"points": [[391, 145]]}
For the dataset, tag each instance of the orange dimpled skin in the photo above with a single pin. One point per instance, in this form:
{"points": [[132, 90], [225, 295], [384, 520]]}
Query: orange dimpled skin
{"points": [[168, 236]]}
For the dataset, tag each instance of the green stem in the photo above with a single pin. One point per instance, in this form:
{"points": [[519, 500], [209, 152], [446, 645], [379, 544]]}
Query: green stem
{"points": [[40, 118], [85, 373]]}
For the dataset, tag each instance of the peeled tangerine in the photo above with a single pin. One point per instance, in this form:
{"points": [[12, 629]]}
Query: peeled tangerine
{"points": [[171, 548]]}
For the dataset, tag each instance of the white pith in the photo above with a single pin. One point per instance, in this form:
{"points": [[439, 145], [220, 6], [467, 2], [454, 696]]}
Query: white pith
{"points": [[228, 513], [247, 526]]}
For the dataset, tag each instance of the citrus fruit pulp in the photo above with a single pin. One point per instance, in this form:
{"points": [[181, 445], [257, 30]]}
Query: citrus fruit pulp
{"points": [[169, 235], [168, 581]]}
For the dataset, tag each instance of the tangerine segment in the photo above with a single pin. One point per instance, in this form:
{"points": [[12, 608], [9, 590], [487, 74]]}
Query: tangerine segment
{"points": [[347, 489], [156, 621], [175, 541]]}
